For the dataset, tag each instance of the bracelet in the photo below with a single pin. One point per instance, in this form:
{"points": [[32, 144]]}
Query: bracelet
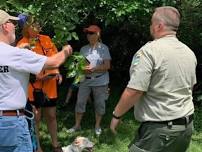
{"points": [[114, 116]]}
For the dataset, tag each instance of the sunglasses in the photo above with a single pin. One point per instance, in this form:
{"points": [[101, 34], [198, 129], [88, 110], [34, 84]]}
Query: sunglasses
{"points": [[90, 33], [15, 23]]}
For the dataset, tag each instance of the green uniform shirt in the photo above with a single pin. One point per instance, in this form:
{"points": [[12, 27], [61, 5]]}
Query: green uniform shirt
{"points": [[165, 70]]}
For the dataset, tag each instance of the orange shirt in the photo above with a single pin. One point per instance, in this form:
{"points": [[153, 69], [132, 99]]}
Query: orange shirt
{"points": [[44, 46]]}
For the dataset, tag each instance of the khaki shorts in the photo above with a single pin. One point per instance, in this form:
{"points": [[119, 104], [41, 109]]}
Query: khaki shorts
{"points": [[155, 137], [100, 94]]}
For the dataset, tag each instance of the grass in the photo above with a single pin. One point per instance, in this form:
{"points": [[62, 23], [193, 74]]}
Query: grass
{"points": [[196, 142], [107, 142]]}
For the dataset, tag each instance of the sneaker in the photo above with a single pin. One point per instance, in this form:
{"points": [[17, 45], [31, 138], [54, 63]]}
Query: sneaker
{"points": [[73, 129], [98, 131]]}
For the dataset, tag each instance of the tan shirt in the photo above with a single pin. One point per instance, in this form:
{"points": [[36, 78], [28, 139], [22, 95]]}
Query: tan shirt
{"points": [[165, 70]]}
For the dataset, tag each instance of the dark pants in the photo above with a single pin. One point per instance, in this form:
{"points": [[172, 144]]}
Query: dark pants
{"points": [[157, 137]]}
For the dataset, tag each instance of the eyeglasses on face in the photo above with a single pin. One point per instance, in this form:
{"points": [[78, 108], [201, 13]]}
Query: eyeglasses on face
{"points": [[90, 33], [15, 23]]}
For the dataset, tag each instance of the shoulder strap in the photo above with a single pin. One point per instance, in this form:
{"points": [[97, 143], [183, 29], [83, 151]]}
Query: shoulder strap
{"points": [[44, 52], [32, 85]]}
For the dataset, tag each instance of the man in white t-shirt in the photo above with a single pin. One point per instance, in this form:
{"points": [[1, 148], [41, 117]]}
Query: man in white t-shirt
{"points": [[15, 67]]}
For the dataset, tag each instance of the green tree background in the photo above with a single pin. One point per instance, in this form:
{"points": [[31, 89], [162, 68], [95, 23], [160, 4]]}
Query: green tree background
{"points": [[124, 23], [125, 28]]}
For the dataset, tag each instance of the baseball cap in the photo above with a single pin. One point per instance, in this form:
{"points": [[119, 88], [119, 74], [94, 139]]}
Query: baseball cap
{"points": [[4, 17], [92, 28], [22, 19]]}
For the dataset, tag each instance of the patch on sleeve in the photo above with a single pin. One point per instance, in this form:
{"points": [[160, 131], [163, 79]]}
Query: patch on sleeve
{"points": [[136, 58]]}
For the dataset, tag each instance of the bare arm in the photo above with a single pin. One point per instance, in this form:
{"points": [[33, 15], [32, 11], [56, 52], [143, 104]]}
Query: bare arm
{"points": [[128, 99], [103, 67], [56, 60], [100, 68]]}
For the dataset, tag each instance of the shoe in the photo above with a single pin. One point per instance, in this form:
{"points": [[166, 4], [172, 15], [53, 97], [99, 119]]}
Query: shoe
{"points": [[98, 131], [73, 129]]}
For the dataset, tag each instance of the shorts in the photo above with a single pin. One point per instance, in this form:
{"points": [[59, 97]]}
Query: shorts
{"points": [[156, 137], [100, 94], [46, 103]]}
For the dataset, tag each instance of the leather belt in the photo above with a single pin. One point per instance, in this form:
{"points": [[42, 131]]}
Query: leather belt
{"points": [[18, 112], [93, 77], [179, 121]]}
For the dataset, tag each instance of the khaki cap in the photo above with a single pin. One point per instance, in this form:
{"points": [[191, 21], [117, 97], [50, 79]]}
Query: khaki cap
{"points": [[4, 17]]}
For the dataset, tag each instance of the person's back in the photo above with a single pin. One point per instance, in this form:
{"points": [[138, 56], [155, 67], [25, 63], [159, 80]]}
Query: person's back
{"points": [[173, 77], [162, 76], [14, 76]]}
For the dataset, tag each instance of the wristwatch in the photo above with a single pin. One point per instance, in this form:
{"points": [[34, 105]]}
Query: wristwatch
{"points": [[114, 116]]}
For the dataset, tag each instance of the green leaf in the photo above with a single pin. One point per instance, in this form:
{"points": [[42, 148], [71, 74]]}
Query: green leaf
{"points": [[75, 36], [75, 65]]}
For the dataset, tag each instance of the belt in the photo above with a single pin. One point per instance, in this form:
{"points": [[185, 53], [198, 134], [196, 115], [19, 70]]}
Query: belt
{"points": [[19, 112], [179, 121], [93, 77]]}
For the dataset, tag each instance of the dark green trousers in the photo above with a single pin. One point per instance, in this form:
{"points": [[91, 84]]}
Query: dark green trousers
{"points": [[156, 137]]}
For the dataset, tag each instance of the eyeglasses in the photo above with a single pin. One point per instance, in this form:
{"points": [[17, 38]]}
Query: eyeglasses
{"points": [[90, 33], [15, 23]]}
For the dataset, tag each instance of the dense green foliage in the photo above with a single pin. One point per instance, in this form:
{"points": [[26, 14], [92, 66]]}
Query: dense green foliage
{"points": [[63, 18], [125, 28]]}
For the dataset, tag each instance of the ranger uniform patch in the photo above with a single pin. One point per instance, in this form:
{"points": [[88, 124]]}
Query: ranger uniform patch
{"points": [[136, 58]]}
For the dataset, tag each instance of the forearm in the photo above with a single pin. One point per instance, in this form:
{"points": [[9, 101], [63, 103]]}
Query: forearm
{"points": [[103, 67], [127, 100], [56, 60]]}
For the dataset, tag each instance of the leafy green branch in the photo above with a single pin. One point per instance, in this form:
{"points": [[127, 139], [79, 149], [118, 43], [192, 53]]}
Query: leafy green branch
{"points": [[75, 65]]}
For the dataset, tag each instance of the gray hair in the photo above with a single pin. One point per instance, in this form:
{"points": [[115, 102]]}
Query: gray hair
{"points": [[170, 16]]}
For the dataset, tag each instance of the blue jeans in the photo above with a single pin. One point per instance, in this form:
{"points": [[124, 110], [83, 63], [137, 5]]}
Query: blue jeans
{"points": [[14, 134]]}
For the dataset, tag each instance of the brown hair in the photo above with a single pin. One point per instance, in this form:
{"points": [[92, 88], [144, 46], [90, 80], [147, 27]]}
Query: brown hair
{"points": [[31, 23]]}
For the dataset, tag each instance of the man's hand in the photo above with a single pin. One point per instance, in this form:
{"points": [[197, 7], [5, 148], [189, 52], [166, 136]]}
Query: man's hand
{"points": [[114, 124], [67, 50]]}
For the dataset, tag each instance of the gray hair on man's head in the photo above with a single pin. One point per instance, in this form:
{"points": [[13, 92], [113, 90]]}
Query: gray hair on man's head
{"points": [[169, 15]]}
